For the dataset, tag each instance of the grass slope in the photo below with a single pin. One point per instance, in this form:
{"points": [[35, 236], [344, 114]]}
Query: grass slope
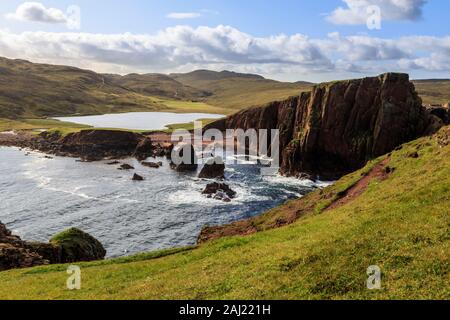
{"points": [[400, 224], [29, 90], [237, 91]]}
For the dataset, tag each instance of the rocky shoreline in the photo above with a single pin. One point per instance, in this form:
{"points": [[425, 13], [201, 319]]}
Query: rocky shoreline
{"points": [[72, 245], [90, 145], [327, 133]]}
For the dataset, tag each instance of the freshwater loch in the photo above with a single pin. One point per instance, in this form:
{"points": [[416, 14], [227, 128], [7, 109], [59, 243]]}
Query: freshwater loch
{"points": [[139, 120]]}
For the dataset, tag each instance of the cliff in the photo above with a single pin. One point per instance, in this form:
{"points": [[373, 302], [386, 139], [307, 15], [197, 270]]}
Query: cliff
{"points": [[337, 127]]}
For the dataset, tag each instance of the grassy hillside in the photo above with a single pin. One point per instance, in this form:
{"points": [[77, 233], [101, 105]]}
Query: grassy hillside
{"points": [[433, 91], [29, 90], [400, 223], [157, 85], [236, 91]]}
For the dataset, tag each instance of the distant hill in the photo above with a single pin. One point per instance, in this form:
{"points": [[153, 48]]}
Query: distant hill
{"points": [[157, 85], [207, 75], [433, 91], [30, 90], [37, 90], [239, 90]]}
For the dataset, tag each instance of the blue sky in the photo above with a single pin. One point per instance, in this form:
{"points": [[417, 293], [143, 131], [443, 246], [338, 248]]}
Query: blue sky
{"points": [[284, 39]]}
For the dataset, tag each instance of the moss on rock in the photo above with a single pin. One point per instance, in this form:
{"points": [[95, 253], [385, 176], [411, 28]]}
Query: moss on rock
{"points": [[77, 245]]}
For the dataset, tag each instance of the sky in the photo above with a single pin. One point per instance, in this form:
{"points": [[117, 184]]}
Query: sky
{"points": [[288, 40]]}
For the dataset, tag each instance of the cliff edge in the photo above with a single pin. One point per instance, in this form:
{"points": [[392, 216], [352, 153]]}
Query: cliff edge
{"points": [[337, 127]]}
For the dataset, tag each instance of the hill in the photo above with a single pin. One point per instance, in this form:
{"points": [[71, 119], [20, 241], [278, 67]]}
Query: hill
{"points": [[237, 91], [30, 90], [433, 91], [393, 213], [155, 84], [37, 91]]}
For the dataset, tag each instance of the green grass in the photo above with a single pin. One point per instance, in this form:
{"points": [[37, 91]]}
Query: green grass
{"points": [[400, 224], [36, 124]]}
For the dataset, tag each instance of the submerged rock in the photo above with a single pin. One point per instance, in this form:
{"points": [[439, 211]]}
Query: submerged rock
{"points": [[77, 245], [151, 164], [137, 177], [213, 169], [219, 191], [126, 166]]}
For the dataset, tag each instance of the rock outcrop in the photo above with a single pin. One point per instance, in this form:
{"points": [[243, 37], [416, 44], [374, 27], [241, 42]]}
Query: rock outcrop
{"points": [[441, 112], [99, 144], [214, 168], [14, 252], [154, 165], [337, 127], [90, 145], [77, 245], [72, 245], [219, 191], [137, 177]]}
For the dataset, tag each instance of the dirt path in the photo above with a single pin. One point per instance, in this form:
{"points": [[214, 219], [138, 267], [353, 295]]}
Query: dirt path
{"points": [[379, 172]]}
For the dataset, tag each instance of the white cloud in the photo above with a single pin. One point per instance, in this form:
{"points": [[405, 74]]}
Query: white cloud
{"points": [[183, 48], [184, 15], [355, 11], [37, 12]]}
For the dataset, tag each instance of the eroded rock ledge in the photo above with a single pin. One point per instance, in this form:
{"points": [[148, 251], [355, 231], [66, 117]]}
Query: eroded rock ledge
{"points": [[334, 129], [90, 145]]}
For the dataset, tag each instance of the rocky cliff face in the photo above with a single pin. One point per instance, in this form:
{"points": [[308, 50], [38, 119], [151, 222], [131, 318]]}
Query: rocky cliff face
{"points": [[337, 127]]}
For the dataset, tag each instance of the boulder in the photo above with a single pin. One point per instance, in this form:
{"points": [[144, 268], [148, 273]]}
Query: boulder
{"points": [[219, 191], [137, 177], [126, 166], [151, 164], [214, 168], [77, 245], [144, 149]]}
